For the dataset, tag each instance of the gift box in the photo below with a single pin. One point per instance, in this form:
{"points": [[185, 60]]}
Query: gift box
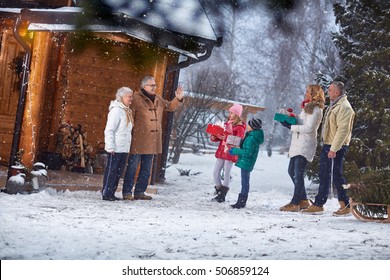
{"points": [[233, 140], [282, 117], [214, 129]]}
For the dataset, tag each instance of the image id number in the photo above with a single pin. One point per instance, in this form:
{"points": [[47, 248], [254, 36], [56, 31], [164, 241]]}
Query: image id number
{"points": [[221, 270]]}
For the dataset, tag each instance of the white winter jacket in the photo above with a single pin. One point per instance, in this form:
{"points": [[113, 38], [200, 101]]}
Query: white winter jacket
{"points": [[304, 135], [117, 135]]}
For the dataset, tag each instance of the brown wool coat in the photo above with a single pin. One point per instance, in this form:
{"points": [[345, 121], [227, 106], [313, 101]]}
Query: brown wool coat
{"points": [[147, 130]]}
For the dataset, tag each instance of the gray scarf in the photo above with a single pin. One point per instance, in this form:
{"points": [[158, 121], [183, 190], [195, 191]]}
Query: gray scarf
{"points": [[336, 100]]}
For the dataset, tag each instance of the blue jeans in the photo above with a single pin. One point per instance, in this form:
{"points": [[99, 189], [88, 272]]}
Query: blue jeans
{"points": [[143, 175], [326, 173], [296, 170], [245, 178], [115, 165]]}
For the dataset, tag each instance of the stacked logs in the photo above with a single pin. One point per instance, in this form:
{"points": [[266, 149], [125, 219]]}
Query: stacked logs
{"points": [[73, 145]]}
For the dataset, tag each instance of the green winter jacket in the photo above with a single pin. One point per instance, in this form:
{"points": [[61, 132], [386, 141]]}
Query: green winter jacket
{"points": [[249, 148]]}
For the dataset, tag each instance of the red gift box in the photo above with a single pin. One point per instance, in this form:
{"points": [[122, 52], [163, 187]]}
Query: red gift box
{"points": [[216, 130]]}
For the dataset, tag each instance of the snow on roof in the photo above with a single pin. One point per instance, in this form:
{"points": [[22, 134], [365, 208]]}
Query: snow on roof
{"points": [[172, 24], [223, 100], [186, 17], [180, 16]]}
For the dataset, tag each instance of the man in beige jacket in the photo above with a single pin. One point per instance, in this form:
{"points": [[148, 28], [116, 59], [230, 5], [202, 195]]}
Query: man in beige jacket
{"points": [[147, 108], [336, 135]]}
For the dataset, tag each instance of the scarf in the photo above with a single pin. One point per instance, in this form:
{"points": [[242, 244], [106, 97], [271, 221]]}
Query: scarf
{"points": [[336, 100], [128, 111], [304, 102], [150, 96], [309, 106]]}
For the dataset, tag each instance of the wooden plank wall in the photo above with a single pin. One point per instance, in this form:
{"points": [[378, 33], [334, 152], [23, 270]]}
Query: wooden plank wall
{"points": [[76, 86], [90, 79]]}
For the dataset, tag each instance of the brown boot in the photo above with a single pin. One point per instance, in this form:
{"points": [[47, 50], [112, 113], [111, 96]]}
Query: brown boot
{"points": [[142, 196], [313, 209], [304, 204], [343, 210], [128, 197], [290, 208]]}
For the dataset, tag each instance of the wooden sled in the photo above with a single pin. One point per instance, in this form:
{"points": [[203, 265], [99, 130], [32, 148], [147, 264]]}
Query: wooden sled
{"points": [[362, 212]]}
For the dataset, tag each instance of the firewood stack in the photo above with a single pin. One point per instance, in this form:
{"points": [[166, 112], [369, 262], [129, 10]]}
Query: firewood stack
{"points": [[73, 145]]}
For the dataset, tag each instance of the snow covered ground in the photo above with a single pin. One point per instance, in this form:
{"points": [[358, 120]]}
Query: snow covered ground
{"points": [[182, 223]]}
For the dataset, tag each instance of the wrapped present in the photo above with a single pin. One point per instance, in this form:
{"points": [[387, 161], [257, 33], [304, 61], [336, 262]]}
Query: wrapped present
{"points": [[214, 129], [291, 113], [283, 117], [233, 140]]}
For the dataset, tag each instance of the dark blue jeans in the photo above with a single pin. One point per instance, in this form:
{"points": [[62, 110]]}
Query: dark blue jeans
{"points": [[116, 163], [296, 170], [326, 173], [143, 175], [245, 178]]}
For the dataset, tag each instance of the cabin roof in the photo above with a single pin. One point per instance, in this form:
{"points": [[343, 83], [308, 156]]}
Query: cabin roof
{"points": [[181, 26]]}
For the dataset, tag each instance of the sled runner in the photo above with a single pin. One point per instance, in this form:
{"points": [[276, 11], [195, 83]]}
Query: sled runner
{"points": [[371, 212]]}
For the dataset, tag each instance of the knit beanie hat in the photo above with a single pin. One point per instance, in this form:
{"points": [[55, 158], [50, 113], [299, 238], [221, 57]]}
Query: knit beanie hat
{"points": [[236, 109], [255, 123]]}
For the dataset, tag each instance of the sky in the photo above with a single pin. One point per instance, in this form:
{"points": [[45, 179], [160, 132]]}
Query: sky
{"points": [[181, 223]]}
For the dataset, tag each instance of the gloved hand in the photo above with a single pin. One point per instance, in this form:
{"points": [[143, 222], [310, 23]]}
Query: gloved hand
{"points": [[231, 152], [286, 124]]}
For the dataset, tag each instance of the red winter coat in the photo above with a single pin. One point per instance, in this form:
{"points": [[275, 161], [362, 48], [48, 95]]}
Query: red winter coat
{"points": [[238, 130]]}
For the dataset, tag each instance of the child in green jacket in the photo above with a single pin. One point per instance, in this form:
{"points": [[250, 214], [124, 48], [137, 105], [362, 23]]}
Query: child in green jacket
{"points": [[247, 156]]}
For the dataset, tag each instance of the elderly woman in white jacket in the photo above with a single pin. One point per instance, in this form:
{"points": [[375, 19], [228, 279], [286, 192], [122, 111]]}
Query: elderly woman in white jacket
{"points": [[117, 138], [303, 145]]}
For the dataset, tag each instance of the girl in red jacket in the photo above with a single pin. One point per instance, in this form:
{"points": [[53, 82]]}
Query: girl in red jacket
{"points": [[236, 127]]}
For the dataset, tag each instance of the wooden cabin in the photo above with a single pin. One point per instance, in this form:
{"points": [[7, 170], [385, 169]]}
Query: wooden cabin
{"points": [[59, 75]]}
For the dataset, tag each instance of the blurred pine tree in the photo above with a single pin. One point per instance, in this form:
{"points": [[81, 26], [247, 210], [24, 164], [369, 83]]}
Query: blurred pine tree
{"points": [[364, 44]]}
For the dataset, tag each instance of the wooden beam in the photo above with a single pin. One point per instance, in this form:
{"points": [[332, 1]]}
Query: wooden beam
{"points": [[35, 97]]}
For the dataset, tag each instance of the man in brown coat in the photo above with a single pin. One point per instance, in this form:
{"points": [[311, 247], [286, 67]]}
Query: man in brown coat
{"points": [[147, 108]]}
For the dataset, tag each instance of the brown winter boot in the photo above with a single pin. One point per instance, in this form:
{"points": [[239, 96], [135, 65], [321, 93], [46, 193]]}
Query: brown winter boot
{"points": [[343, 210], [290, 208], [313, 209], [304, 204], [128, 197], [142, 196]]}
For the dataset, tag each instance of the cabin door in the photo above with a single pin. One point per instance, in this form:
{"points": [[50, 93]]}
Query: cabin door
{"points": [[10, 54]]}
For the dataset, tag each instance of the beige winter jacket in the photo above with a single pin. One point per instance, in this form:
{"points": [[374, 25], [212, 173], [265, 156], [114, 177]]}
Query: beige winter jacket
{"points": [[337, 125], [147, 130]]}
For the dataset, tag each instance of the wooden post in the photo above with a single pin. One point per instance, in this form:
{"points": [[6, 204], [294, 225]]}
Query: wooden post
{"points": [[35, 97], [159, 75]]}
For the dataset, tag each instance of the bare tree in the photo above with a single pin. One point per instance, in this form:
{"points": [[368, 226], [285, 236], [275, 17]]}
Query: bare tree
{"points": [[273, 54], [208, 90], [292, 56]]}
